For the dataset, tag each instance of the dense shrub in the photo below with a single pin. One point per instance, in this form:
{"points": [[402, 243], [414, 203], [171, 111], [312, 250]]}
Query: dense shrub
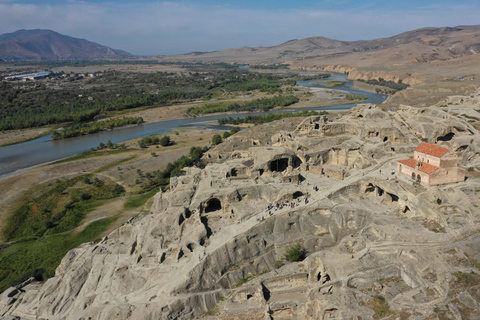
{"points": [[295, 253]]}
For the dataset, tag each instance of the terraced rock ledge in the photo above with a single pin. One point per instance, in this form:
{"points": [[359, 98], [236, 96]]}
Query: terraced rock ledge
{"points": [[377, 244]]}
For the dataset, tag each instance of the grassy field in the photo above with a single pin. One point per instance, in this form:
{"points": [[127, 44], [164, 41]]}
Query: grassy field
{"points": [[48, 210], [40, 257], [334, 83]]}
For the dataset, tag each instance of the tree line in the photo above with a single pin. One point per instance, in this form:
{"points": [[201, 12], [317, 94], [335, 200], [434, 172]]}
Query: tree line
{"points": [[269, 117], [262, 104], [384, 83], [88, 128], [35, 104]]}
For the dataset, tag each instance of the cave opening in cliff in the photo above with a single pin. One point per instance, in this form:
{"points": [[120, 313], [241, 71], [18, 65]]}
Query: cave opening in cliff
{"points": [[213, 204], [370, 188], [385, 139], [296, 162], [233, 172], [266, 293], [297, 194], [449, 136], [317, 126], [380, 191], [180, 254], [279, 165], [394, 197], [204, 221]]}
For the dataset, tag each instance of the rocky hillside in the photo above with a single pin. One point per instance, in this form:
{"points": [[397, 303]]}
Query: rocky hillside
{"points": [[214, 246], [40, 45], [421, 45]]}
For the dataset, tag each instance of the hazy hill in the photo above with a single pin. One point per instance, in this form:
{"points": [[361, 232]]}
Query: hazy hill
{"points": [[50, 45], [421, 45]]}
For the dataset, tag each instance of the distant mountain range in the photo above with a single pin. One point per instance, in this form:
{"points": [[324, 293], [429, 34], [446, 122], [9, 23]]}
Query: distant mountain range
{"points": [[41, 45], [421, 45]]}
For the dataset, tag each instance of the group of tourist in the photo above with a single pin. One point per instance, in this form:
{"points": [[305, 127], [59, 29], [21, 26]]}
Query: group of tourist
{"points": [[271, 208]]}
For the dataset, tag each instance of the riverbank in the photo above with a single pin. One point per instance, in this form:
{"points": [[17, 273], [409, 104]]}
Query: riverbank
{"points": [[17, 157], [12, 137], [119, 166]]}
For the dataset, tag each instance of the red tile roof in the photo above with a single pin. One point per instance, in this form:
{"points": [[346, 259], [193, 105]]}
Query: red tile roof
{"points": [[424, 167], [427, 168], [409, 162], [431, 149]]}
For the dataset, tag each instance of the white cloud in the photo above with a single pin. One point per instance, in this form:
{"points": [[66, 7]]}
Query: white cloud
{"points": [[170, 27]]}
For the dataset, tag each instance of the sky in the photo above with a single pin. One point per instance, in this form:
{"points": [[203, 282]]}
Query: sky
{"points": [[148, 27]]}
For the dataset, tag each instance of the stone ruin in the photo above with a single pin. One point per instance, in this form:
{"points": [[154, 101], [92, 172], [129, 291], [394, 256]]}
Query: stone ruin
{"points": [[213, 246]]}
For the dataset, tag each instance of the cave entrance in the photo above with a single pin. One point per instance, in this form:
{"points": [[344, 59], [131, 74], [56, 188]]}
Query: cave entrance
{"points": [[413, 175], [394, 197], [296, 162], [370, 188], [213, 205], [449, 136], [279, 165], [380, 191], [419, 178], [297, 194]]}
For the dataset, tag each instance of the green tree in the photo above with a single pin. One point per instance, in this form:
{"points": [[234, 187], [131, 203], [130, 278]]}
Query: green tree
{"points": [[165, 141], [216, 139], [295, 253]]}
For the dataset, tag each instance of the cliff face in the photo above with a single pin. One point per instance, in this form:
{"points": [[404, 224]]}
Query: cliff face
{"points": [[375, 243], [407, 78]]}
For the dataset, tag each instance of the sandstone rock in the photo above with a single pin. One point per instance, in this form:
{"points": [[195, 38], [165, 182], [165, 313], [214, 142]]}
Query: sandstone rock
{"points": [[216, 241]]}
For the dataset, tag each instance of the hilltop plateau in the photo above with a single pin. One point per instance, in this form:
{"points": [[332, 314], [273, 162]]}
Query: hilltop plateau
{"points": [[374, 244]]}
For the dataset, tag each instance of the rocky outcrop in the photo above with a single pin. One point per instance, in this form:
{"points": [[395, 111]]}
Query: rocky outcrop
{"points": [[412, 79], [214, 245]]}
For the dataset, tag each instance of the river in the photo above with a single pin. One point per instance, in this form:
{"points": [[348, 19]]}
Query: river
{"points": [[43, 150]]}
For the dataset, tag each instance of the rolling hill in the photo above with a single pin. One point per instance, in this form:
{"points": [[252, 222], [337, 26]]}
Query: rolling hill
{"points": [[420, 45]]}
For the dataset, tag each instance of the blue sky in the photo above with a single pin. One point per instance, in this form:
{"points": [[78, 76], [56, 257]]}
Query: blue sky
{"points": [[148, 27]]}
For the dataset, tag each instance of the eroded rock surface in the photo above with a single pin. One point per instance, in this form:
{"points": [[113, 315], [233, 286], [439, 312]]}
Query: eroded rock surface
{"points": [[377, 244]]}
